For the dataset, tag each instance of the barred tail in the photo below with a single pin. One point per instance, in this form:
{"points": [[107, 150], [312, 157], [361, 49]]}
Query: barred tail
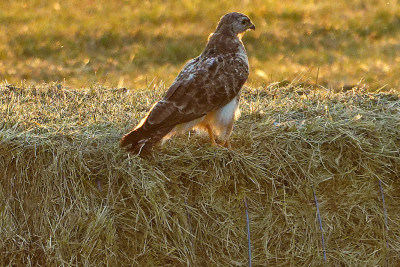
{"points": [[139, 140]]}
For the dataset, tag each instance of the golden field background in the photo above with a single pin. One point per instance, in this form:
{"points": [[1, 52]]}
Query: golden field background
{"points": [[129, 43]]}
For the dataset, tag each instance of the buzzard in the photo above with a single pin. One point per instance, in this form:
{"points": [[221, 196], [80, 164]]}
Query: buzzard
{"points": [[205, 94]]}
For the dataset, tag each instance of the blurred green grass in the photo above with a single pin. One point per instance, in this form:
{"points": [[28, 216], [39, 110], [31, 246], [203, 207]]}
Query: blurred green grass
{"points": [[129, 43]]}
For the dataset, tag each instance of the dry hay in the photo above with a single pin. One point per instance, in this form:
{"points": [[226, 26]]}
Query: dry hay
{"points": [[184, 203]]}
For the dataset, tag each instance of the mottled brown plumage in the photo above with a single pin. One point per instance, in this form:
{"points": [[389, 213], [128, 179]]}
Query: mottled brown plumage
{"points": [[204, 94]]}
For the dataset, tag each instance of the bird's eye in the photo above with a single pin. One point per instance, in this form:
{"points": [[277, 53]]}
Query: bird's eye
{"points": [[243, 21]]}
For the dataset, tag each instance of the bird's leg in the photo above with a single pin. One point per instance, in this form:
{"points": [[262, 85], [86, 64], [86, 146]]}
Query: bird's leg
{"points": [[211, 134], [225, 136], [227, 144]]}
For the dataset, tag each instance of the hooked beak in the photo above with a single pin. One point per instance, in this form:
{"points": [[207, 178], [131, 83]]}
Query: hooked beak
{"points": [[252, 27]]}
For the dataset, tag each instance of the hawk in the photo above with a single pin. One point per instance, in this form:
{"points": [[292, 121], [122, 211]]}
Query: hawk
{"points": [[205, 94]]}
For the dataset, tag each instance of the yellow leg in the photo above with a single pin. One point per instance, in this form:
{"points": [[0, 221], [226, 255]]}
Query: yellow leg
{"points": [[225, 140], [211, 134], [227, 144]]}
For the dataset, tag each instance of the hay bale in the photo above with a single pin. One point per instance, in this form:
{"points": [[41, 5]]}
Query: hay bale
{"points": [[183, 204]]}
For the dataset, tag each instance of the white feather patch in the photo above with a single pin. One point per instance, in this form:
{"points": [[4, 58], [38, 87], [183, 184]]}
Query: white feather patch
{"points": [[228, 113], [220, 120]]}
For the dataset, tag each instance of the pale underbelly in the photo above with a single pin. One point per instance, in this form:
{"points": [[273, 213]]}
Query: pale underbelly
{"points": [[219, 120]]}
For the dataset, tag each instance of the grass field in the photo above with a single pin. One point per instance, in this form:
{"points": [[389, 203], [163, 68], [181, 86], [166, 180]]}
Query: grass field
{"points": [[77, 75], [129, 43]]}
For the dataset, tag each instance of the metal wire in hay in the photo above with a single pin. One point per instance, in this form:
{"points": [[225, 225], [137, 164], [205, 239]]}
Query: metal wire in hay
{"points": [[320, 224], [248, 230], [190, 227], [386, 221]]}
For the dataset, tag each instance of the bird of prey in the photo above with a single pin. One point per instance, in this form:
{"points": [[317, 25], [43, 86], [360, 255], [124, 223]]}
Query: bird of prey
{"points": [[205, 94]]}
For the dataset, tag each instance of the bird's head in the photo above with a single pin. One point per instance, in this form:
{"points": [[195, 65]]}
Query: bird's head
{"points": [[235, 23]]}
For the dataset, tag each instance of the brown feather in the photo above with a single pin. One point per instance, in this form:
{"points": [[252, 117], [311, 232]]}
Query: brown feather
{"points": [[205, 85]]}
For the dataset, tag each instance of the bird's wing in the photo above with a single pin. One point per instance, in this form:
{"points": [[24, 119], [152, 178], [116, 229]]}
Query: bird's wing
{"points": [[203, 85]]}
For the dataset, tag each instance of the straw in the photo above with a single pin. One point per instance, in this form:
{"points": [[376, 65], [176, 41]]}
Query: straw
{"points": [[182, 204]]}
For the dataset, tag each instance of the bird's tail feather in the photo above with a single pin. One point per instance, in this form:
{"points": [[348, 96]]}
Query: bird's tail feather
{"points": [[139, 140]]}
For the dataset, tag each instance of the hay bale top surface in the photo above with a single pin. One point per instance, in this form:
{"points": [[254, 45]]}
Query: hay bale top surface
{"points": [[183, 203]]}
